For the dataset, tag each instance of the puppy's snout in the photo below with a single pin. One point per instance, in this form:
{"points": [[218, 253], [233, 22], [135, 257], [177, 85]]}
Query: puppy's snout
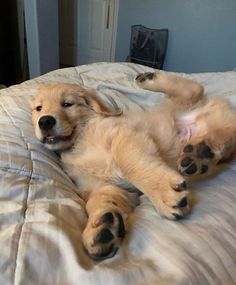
{"points": [[46, 123]]}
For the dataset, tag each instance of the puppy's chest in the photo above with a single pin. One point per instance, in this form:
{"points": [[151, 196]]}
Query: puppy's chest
{"points": [[92, 155]]}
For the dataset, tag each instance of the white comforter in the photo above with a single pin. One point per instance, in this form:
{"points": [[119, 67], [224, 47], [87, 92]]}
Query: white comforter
{"points": [[42, 216]]}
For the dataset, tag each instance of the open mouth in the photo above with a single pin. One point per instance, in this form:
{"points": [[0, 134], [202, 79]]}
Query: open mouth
{"points": [[56, 139], [50, 139]]}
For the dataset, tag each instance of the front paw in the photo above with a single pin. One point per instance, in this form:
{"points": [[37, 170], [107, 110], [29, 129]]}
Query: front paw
{"points": [[173, 202], [196, 159], [103, 235], [142, 77]]}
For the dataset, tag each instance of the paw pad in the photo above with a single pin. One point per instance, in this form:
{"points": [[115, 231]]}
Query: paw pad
{"points": [[188, 148], [145, 76], [196, 159], [204, 169], [177, 216], [204, 151], [121, 227], [187, 161], [191, 169], [183, 202], [104, 236], [180, 209], [107, 218], [181, 187]]}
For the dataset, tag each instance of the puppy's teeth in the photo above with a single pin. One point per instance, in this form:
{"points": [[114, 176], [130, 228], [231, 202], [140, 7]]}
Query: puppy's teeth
{"points": [[50, 139]]}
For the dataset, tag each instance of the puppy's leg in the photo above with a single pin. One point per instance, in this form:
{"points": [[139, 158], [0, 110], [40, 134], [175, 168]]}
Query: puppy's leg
{"points": [[143, 167], [180, 90], [107, 209]]}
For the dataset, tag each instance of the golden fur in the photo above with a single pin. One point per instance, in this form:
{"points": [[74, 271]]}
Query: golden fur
{"points": [[106, 152]]}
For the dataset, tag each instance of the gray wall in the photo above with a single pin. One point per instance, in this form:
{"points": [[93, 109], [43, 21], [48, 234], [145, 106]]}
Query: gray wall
{"points": [[41, 21], [202, 33]]}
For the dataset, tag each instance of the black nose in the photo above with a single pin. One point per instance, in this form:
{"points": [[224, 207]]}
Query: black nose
{"points": [[46, 123]]}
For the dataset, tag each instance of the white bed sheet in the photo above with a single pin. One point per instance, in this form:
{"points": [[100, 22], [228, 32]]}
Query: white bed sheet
{"points": [[42, 216]]}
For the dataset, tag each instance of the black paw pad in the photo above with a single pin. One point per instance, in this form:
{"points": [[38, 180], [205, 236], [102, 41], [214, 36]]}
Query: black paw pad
{"points": [[109, 253], [186, 162], [121, 227], [191, 169], [188, 148], [104, 236], [140, 78], [107, 218], [149, 75], [204, 151], [181, 187], [204, 169], [183, 203], [177, 217]]}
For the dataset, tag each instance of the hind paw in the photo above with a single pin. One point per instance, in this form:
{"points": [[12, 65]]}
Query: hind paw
{"points": [[103, 235], [196, 159]]}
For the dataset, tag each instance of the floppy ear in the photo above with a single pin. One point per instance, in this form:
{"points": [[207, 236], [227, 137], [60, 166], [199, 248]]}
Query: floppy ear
{"points": [[94, 102], [98, 106]]}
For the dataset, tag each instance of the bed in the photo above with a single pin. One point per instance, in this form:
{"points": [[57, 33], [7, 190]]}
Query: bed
{"points": [[42, 215]]}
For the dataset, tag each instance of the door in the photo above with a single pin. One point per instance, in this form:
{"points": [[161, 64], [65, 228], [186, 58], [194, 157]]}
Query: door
{"points": [[98, 27], [101, 28], [87, 30]]}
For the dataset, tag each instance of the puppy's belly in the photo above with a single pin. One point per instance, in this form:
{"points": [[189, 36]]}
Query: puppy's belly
{"points": [[189, 126]]}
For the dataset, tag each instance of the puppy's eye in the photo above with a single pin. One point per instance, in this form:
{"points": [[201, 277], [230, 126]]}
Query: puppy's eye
{"points": [[38, 108], [67, 104]]}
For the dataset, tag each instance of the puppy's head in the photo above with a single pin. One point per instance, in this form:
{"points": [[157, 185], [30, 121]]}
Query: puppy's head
{"points": [[61, 111]]}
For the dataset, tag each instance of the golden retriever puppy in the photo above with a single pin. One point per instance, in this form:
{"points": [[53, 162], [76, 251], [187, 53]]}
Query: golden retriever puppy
{"points": [[112, 156]]}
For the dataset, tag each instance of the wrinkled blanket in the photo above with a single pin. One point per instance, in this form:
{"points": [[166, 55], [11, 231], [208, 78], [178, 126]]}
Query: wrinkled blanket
{"points": [[42, 215]]}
